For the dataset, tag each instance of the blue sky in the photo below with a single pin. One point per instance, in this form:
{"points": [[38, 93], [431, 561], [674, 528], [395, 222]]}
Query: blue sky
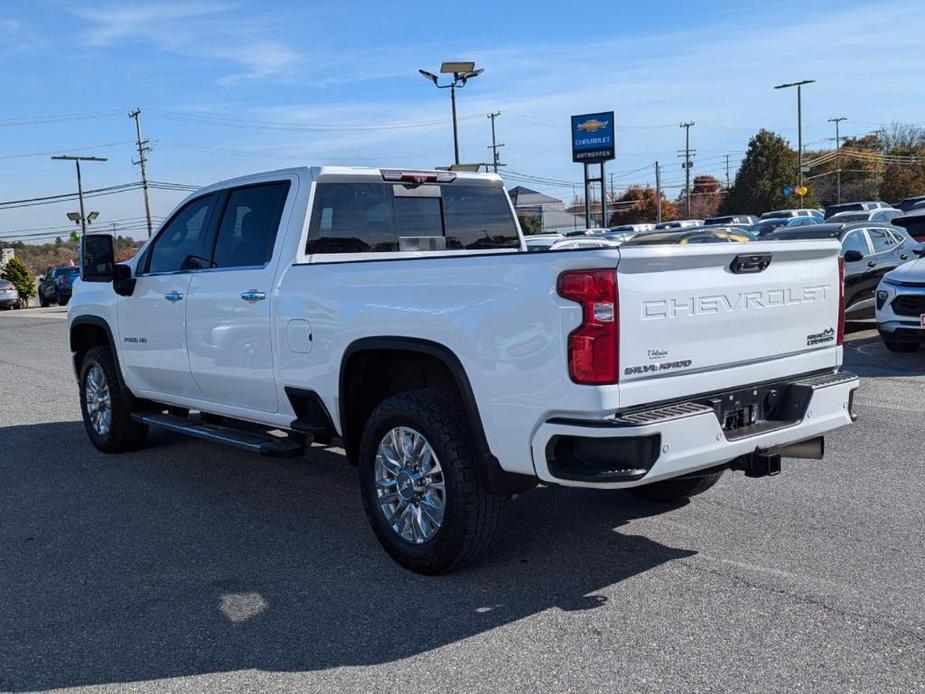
{"points": [[337, 83]]}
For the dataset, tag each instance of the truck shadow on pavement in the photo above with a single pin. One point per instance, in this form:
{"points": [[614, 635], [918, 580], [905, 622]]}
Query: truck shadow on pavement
{"points": [[185, 558]]}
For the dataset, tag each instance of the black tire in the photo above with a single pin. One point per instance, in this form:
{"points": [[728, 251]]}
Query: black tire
{"points": [[61, 300], [123, 434], [43, 302], [677, 489], [472, 512], [895, 346]]}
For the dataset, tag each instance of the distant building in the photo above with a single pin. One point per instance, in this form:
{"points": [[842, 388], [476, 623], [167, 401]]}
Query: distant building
{"points": [[551, 211], [6, 255]]}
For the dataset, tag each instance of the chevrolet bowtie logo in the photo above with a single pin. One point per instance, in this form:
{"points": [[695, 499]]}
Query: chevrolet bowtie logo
{"points": [[593, 125]]}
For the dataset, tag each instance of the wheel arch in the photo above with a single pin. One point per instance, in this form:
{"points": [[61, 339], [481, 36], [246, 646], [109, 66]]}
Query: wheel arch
{"points": [[87, 332], [503, 482]]}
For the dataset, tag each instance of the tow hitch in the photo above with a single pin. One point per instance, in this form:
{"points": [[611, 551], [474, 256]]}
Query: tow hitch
{"points": [[763, 463], [758, 464]]}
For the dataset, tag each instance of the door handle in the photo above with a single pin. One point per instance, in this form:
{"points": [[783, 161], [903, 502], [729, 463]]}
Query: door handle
{"points": [[904, 256], [173, 297], [252, 296], [871, 264]]}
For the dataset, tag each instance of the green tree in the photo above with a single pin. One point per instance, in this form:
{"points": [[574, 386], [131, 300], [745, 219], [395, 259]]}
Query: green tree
{"points": [[769, 165], [17, 273], [530, 224]]}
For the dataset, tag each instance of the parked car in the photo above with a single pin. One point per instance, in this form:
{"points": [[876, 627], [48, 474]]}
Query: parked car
{"points": [[541, 242], [913, 222], [766, 226], [746, 219], [64, 285], [901, 307], [48, 284], [586, 242], [593, 231], [803, 212], [678, 224], [911, 203], [862, 206], [883, 214], [695, 235], [640, 228], [870, 251], [398, 314], [9, 295]]}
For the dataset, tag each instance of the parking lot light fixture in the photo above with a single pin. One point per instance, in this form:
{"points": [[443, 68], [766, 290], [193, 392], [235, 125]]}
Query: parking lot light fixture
{"points": [[462, 71], [799, 86], [80, 190]]}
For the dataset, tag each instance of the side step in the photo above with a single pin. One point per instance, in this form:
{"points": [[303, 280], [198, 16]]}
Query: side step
{"points": [[254, 442]]}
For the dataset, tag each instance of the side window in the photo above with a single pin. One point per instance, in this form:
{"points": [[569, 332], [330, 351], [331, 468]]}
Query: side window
{"points": [[882, 240], [183, 244], [352, 218], [855, 241], [249, 225]]}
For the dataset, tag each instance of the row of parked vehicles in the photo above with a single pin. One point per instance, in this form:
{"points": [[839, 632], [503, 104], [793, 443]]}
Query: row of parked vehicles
{"points": [[881, 247]]}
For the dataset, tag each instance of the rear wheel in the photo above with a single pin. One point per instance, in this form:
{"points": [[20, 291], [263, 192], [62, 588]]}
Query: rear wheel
{"points": [[424, 490], [43, 302], [895, 345], [105, 407], [678, 488]]}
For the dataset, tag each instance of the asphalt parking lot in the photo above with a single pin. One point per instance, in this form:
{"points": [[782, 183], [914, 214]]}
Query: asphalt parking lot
{"points": [[192, 568]]}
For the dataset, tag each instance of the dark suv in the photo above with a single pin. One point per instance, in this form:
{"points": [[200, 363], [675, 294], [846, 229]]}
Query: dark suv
{"points": [[56, 285], [870, 251]]}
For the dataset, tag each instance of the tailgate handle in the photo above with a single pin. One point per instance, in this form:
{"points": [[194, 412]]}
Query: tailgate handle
{"points": [[756, 262]]}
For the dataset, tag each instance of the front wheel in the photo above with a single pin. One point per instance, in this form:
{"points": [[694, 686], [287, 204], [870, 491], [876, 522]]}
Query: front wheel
{"points": [[424, 490], [43, 302], [677, 489], [105, 407]]}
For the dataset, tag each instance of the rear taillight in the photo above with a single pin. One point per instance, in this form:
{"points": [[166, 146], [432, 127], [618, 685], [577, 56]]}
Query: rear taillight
{"points": [[593, 347], [840, 334]]}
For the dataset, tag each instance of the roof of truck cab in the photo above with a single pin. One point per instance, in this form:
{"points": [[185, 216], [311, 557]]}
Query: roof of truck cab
{"points": [[346, 171]]}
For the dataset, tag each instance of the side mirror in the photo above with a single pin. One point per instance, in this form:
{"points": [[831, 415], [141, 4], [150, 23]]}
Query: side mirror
{"points": [[853, 256], [97, 258], [122, 282]]}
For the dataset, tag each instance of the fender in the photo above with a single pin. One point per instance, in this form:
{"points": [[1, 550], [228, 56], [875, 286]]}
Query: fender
{"points": [[99, 323], [502, 482]]}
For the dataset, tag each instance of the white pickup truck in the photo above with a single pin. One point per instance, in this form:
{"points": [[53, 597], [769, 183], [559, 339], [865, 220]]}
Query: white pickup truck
{"points": [[397, 314]]}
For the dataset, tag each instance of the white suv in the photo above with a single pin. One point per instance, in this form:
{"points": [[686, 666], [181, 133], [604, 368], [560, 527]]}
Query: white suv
{"points": [[901, 307]]}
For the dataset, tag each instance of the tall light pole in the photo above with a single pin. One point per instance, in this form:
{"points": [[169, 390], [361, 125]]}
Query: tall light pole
{"points": [[799, 86], [462, 72], [80, 190]]}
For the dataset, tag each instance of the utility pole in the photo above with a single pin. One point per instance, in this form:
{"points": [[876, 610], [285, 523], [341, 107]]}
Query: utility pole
{"points": [[727, 172], [687, 166], [658, 194], [799, 86], [143, 150], [496, 158], [837, 120], [80, 189]]}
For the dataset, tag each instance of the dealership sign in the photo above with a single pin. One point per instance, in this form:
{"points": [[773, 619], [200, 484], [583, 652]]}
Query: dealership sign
{"points": [[592, 137]]}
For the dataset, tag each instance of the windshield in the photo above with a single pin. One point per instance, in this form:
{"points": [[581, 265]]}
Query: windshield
{"points": [[766, 227]]}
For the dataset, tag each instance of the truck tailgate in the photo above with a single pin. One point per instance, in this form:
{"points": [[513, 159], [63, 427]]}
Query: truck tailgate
{"points": [[707, 310]]}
